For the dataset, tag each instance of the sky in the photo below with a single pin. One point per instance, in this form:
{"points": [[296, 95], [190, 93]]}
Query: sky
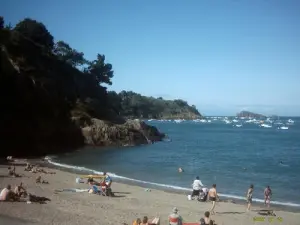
{"points": [[222, 56]]}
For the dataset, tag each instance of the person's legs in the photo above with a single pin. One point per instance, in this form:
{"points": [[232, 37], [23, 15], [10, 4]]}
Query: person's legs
{"points": [[212, 210], [249, 204]]}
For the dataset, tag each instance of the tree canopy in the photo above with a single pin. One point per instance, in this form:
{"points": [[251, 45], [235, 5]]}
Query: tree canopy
{"points": [[36, 31]]}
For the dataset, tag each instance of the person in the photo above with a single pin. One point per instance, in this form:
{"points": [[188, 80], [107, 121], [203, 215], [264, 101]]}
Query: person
{"points": [[249, 197], [145, 220], [213, 195], [206, 220], [20, 190], [202, 196], [268, 194], [197, 185], [108, 179], [7, 194], [138, 221], [175, 218], [180, 170]]}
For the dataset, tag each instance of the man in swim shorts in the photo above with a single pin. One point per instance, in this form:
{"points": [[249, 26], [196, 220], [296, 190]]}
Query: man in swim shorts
{"points": [[268, 194], [213, 195]]}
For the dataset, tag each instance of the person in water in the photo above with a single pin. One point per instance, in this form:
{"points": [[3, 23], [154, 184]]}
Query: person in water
{"points": [[213, 195], [249, 196], [180, 170], [268, 194]]}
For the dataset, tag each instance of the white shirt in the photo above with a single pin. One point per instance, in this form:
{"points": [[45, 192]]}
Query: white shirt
{"points": [[197, 185], [4, 194]]}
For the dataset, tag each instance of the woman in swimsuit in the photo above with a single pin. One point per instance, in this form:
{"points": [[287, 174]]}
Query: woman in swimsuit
{"points": [[213, 195], [249, 196], [268, 194]]}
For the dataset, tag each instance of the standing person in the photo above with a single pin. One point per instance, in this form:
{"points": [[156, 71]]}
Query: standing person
{"points": [[197, 185], [175, 218], [268, 194], [249, 197], [213, 195]]}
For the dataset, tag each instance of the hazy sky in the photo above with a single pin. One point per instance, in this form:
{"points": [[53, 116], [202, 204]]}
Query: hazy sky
{"points": [[223, 56]]}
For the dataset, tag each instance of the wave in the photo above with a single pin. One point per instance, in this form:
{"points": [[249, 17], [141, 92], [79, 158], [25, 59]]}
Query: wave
{"points": [[84, 169]]}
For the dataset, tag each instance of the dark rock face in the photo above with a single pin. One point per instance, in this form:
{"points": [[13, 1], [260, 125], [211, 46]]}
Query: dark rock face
{"points": [[132, 132]]}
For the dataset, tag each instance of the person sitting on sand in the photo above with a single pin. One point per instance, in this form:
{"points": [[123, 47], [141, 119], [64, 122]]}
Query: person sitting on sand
{"points": [[213, 195], [145, 221], [175, 218], [7, 194], [28, 167], [20, 190], [206, 220], [138, 221], [12, 172], [40, 181]]}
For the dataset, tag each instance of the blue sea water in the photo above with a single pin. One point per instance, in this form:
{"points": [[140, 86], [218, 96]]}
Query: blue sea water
{"points": [[232, 157]]}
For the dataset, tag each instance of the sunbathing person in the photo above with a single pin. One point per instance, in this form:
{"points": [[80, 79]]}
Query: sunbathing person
{"points": [[12, 172], [145, 221], [20, 190], [138, 221], [7, 194], [28, 167], [34, 198], [206, 220], [39, 180]]}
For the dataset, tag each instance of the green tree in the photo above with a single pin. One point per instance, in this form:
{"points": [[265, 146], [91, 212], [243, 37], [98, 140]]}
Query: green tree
{"points": [[101, 70], [36, 31], [69, 55]]}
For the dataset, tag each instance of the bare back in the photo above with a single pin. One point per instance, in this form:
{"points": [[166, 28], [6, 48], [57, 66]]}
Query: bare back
{"points": [[212, 193]]}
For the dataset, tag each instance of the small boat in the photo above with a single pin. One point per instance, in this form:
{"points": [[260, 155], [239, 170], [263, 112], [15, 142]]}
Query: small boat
{"points": [[283, 128]]}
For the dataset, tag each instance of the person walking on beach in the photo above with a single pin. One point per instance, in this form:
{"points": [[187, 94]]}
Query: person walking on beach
{"points": [[213, 195], [268, 194], [249, 197], [197, 186]]}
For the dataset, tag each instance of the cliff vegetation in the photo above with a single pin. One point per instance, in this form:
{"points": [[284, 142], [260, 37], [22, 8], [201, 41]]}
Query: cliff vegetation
{"points": [[53, 99]]}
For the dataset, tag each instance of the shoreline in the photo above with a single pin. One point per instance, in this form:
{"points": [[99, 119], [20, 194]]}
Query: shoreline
{"points": [[172, 190], [130, 202]]}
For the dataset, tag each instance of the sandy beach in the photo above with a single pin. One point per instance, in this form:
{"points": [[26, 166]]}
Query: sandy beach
{"points": [[130, 202]]}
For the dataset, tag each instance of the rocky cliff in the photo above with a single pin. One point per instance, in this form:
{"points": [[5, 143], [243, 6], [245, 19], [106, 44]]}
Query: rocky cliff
{"points": [[248, 114]]}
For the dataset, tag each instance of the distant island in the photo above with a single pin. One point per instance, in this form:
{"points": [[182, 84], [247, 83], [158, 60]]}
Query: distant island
{"points": [[248, 114], [55, 100]]}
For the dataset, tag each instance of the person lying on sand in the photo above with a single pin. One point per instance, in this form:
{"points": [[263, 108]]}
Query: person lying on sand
{"points": [[28, 167], [40, 181], [7, 194], [34, 198], [12, 172], [20, 191]]}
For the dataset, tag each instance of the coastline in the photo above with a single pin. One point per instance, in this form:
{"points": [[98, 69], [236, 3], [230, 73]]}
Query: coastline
{"points": [[169, 189], [130, 202]]}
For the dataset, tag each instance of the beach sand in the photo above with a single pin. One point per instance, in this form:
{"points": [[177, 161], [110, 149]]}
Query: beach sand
{"points": [[130, 203]]}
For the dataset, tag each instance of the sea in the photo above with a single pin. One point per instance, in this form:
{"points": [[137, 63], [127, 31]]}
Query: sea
{"points": [[229, 152]]}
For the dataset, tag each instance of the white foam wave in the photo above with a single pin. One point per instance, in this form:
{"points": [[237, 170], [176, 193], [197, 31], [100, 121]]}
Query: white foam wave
{"points": [[84, 169]]}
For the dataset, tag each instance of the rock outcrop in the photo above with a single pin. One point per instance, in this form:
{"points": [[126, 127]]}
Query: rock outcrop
{"points": [[130, 133], [248, 114]]}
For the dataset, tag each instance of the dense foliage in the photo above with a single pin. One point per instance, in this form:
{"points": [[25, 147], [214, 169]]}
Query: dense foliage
{"points": [[44, 84], [130, 104]]}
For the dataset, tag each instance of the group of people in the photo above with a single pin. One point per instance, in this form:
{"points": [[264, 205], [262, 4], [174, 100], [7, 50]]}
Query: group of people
{"points": [[203, 194], [7, 194], [267, 196], [176, 219], [104, 185]]}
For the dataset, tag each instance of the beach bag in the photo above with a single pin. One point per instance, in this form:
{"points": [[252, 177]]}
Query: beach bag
{"points": [[189, 197], [79, 180]]}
